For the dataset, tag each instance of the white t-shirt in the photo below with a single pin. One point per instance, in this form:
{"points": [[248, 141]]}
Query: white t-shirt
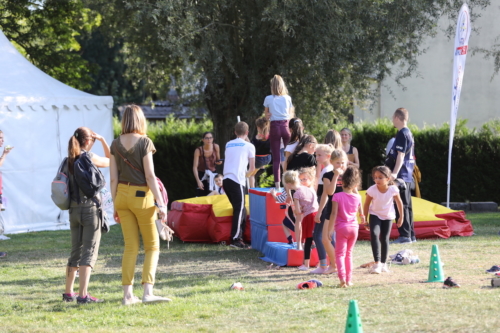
{"points": [[326, 169], [291, 147], [382, 204], [278, 106], [238, 151]]}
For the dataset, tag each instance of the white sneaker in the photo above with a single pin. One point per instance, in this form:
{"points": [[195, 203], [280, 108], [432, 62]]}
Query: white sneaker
{"points": [[377, 268], [385, 268]]}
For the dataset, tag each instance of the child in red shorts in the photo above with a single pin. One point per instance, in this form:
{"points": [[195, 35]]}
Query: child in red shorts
{"points": [[305, 208]]}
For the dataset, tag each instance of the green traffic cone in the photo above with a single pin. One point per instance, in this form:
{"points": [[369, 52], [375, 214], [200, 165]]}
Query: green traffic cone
{"points": [[353, 324], [436, 268]]}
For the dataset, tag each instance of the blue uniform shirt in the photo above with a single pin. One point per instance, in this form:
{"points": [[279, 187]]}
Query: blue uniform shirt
{"points": [[404, 143]]}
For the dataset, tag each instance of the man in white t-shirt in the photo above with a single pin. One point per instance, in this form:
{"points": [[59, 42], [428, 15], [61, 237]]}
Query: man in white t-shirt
{"points": [[239, 154]]}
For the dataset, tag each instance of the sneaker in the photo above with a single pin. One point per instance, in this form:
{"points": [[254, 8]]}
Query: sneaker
{"points": [[154, 299], [493, 269], [238, 243], [307, 285], [450, 283], [376, 268], [319, 270], [385, 268], [401, 240], [3, 254], [303, 268], [131, 301], [318, 282], [88, 299], [70, 297], [414, 239]]}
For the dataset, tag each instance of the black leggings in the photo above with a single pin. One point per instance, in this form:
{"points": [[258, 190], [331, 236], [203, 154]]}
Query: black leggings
{"points": [[307, 248], [380, 230]]}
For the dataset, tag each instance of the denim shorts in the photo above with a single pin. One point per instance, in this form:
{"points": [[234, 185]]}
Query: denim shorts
{"points": [[261, 161], [282, 154]]}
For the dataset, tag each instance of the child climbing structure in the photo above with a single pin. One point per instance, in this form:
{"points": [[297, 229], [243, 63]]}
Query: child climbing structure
{"points": [[266, 217]]}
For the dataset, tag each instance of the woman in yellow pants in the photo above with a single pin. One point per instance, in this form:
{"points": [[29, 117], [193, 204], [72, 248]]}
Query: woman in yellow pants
{"points": [[134, 193]]}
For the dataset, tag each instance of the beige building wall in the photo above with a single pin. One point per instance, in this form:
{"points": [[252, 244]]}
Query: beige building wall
{"points": [[428, 92]]}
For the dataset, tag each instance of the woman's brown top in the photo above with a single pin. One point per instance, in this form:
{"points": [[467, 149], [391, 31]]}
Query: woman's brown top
{"points": [[135, 156], [209, 160]]}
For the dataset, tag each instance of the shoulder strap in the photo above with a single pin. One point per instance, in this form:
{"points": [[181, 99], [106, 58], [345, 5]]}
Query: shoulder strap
{"points": [[127, 161]]}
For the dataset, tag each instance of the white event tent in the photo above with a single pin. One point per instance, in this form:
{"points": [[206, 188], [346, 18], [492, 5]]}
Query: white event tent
{"points": [[38, 115]]}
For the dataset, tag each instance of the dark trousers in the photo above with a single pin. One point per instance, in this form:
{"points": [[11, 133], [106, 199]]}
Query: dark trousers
{"points": [[279, 130], [380, 230], [407, 229], [236, 194]]}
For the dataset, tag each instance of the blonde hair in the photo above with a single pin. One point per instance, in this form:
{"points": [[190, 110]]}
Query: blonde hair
{"points": [[327, 149], [263, 124], [338, 153], [133, 120], [291, 177], [333, 137], [345, 129], [278, 87], [310, 172]]}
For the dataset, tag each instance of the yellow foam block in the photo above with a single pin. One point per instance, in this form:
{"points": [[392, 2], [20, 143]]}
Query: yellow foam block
{"points": [[220, 204], [423, 210]]}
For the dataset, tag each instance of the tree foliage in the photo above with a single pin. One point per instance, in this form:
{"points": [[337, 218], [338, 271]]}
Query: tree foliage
{"points": [[46, 33], [329, 52]]}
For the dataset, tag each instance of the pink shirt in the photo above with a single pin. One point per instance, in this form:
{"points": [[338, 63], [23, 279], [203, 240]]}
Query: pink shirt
{"points": [[308, 200], [348, 204], [382, 204]]}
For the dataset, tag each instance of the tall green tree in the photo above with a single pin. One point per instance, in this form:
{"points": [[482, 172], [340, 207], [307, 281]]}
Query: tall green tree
{"points": [[45, 31], [329, 52]]}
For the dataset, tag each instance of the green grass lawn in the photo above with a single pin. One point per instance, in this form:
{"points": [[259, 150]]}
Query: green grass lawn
{"points": [[197, 277]]}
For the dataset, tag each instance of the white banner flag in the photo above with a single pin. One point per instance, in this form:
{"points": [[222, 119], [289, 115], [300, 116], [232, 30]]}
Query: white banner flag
{"points": [[459, 56]]}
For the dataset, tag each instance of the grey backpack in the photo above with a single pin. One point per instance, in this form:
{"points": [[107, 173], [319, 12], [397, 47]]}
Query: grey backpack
{"points": [[60, 187]]}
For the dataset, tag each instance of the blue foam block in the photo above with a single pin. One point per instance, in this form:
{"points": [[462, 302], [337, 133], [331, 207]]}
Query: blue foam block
{"points": [[259, 235], [258, 209], [277, 253]]}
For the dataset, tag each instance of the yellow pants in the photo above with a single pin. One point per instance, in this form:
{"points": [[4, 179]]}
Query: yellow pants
{"points": [[137, 214]]}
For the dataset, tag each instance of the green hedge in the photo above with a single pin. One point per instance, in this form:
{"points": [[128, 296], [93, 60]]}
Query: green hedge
{"points": [[475, 161]]}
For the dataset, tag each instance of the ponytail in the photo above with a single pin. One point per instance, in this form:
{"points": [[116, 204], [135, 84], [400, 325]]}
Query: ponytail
{"points": [[297, 129], [306, 139], [75, 144]]}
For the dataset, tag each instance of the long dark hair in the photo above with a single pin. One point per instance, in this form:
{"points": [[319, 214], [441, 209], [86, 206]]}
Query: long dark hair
{"points": [[296, 128], [306, 139], [76, 143]]}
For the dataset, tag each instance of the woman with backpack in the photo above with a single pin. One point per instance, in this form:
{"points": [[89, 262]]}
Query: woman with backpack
{"points": [[84, 218], [134, 189]]}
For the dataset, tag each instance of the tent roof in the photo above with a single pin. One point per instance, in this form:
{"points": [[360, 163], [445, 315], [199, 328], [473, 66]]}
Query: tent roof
{"points": [[24, 87]]}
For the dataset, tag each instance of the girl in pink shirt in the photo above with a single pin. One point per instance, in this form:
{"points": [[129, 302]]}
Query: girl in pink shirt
{"points": [[345, 206], [379, 203]]}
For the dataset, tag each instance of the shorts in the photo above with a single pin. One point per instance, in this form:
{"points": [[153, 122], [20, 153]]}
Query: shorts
{"points": [[282, 154], [261, 161], [289, 224], [308, 226]]}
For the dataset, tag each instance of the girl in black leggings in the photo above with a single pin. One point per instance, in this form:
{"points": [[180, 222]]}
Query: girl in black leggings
{"points": [[379, 203]]}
